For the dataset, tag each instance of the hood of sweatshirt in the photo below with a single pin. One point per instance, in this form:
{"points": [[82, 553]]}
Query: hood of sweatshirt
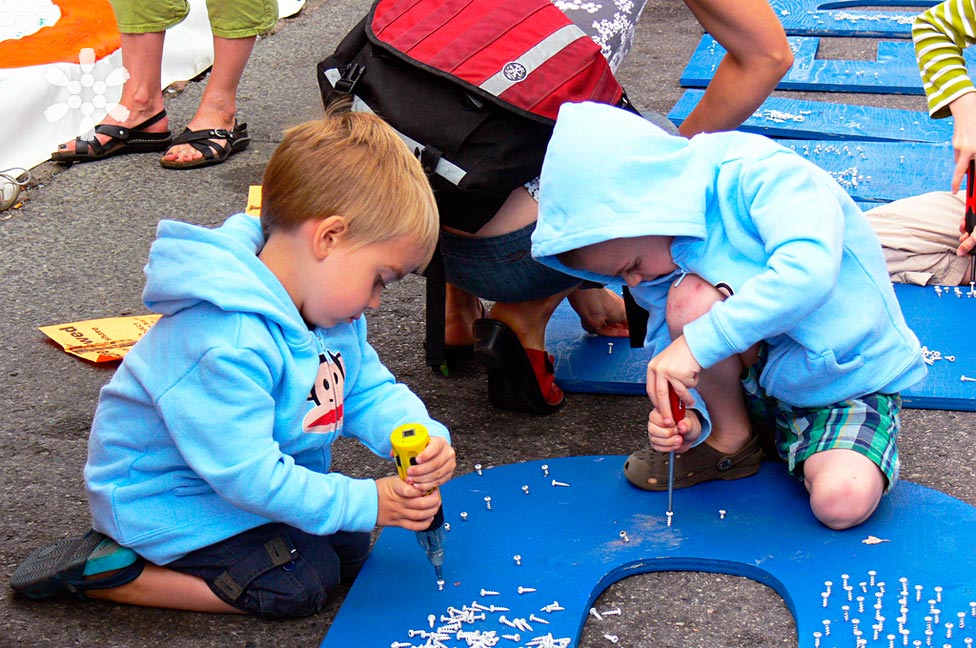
{"points": [[608, 174], [189, 264]]}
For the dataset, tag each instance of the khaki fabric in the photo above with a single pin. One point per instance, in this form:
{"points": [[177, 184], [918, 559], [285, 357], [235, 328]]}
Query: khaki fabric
{"points": [[228, 18]]}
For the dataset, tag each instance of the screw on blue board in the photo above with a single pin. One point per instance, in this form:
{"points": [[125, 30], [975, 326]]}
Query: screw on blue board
{"points": [[894, 71], [822, 120], [849, 18], [573, 541]]}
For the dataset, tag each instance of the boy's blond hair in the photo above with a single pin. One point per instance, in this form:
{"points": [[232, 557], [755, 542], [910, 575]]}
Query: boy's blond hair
{"points": [[353, 165]]}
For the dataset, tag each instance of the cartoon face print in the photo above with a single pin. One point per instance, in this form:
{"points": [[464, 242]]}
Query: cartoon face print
{"points": [[327, 394]]}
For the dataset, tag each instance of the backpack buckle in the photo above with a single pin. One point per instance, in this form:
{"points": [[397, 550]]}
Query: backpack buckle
{"points": [[350, 76]]}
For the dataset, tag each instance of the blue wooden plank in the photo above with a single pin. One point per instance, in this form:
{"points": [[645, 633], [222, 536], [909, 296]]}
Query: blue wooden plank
{"points": [[884, 19], [806, 119], [571, 548], [583, 363], [894, 71], [879, 172]]}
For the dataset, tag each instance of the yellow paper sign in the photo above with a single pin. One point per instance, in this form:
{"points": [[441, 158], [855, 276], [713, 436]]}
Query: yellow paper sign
{"points": [[101, 340], [253, 201]]}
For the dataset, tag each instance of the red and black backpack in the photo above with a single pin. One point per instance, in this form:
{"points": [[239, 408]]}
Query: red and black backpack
{"points": [[472, 86]]}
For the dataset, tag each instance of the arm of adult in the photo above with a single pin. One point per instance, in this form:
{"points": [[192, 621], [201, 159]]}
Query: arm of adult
{"points": [[757, 57]]}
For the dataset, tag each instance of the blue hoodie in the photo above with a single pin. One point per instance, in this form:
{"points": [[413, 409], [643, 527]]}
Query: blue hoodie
{"points": [[806, 269], [221, 418]]}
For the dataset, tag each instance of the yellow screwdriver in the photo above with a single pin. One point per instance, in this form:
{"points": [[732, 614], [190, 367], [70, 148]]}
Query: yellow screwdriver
{"points": [[408, 441]]}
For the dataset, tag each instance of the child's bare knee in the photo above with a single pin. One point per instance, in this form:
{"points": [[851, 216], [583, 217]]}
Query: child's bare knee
{"points": [[690, 298], [842, 504]]}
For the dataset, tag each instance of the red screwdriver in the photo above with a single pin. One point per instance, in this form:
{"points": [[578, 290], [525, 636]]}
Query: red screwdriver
{"points": [[677, 413]]}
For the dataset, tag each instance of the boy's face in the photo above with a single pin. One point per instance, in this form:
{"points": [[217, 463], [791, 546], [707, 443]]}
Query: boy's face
{"points": [[634, 260], [351, 280]]}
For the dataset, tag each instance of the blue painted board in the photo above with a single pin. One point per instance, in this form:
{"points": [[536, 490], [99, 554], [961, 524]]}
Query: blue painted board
{"points": [[894, 71], [850, 19], [806, 119], [570, 547], [879, 172], [584, 365]]}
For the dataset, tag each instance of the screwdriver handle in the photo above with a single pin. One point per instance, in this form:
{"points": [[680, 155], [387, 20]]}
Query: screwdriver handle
{"points": [[677, 407]]}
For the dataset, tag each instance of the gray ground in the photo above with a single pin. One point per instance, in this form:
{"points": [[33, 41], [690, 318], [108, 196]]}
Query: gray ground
{"points": [[76, 250]]}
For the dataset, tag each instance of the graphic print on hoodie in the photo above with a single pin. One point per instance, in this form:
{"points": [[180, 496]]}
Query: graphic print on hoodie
{"points": [[326, 416]]}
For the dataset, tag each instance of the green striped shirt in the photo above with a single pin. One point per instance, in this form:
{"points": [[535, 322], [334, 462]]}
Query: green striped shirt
{"points": [[940, 35]]}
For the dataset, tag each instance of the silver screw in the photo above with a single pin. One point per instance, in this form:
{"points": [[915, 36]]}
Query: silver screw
{"points": [[447, 527], [669, 514], [488, 502], [596, 615], [559, 483], [518, 559], [525, 489], [545, 470], [536, 619], [512, 637], [948, 628], [611, 638], [477, 468], [613, 612], [440, 584], [464, 515], [966, 379], [485, 592], [609, 348], [431, 618], [826, 624], [525, 590], [721, 514], [623, 536], [502, 619]]}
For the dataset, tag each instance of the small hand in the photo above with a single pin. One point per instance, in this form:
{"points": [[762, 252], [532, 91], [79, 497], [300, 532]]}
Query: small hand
{"points": [[403, 505], [667, 437], [435, 465]]}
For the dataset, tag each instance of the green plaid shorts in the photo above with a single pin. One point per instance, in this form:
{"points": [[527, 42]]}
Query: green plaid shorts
{"points": [[867, 425]]}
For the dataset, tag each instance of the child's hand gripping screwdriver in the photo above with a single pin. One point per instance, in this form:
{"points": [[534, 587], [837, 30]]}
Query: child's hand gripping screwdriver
{"points": [[409, 441], [971, 208], [677, 413]]}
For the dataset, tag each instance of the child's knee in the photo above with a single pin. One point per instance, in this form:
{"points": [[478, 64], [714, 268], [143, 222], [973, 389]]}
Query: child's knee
{"points": [[689, 298], [843, 499]]}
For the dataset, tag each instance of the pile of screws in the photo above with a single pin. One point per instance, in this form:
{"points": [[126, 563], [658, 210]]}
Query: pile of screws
{"points": [[914, 612]]}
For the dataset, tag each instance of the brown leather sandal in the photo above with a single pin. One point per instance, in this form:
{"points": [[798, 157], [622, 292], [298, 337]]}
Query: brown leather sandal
{"points": [[699, 464]]}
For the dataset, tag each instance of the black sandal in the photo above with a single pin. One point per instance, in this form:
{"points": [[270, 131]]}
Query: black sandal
{"points": [[513, 375], [121, 140], [213, 153]]}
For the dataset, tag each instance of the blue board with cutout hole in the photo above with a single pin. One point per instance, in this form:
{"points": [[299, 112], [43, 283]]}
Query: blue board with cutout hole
{"points": [[807, 119], [570, 548], [850, 19], [894, 71], [586, 363]]}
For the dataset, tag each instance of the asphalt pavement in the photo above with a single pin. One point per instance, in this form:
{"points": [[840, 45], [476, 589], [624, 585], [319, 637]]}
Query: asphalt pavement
{"points": [[76, 249]]}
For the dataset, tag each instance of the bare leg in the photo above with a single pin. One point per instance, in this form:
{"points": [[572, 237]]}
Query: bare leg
{"points": [[164, 588], [461, 309], [845, 487], [528, 319], [218, 106], [142, 94], [719, 384]]}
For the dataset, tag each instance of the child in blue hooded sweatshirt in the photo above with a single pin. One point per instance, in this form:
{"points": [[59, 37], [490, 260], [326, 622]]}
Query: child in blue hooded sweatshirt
{"points": [[770, 304], [208, 467]]}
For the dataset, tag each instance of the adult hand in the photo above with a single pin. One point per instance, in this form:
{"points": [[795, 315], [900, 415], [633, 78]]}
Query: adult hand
{"points": [[601, 311]]}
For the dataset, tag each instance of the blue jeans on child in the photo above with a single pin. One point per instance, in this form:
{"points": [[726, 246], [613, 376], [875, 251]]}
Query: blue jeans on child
{"points": [[276, 570]]}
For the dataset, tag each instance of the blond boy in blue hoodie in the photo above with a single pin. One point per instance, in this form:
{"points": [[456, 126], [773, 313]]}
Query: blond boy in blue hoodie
{"points": [[208, 471], [770, 304]]}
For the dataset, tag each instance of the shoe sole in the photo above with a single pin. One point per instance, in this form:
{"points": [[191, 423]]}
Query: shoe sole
{"points": [[48, 571]]}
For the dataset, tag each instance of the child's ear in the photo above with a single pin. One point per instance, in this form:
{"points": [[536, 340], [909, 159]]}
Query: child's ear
{"points": [[328, 233]]}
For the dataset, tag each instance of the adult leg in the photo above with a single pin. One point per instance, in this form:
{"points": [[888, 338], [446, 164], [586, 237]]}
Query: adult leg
{"points": [[218, 106], [142, 96]]}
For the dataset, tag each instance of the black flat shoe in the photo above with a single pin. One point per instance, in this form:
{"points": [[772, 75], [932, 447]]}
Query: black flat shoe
{"points": [[519, 380]]}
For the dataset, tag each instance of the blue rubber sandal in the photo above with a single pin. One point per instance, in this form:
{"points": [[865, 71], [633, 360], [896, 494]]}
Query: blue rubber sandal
{"points": [[64, 568]]}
